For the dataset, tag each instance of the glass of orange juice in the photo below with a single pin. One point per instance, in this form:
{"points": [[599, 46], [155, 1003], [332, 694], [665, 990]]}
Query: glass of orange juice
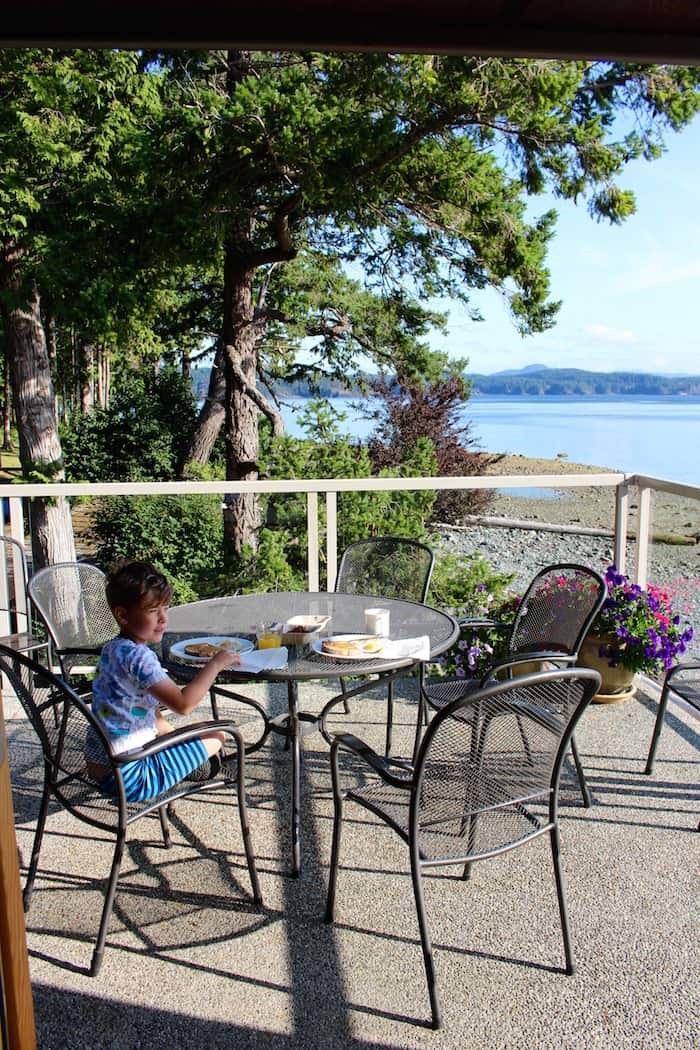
{"points": [[268, 636]]}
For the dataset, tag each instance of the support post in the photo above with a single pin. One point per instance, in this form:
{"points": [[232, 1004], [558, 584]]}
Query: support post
{"points": [[331, 539], [312, 532], [622, 503], [643, 529]]}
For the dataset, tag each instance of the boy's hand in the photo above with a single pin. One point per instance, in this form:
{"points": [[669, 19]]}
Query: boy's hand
{"points": [[223, 659]]}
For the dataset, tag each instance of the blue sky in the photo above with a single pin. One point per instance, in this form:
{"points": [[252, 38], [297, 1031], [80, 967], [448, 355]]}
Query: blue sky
{"points": [[631, 293]]}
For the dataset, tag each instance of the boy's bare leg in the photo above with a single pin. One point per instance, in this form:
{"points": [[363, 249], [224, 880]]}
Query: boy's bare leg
{"points": [[213, 742]]}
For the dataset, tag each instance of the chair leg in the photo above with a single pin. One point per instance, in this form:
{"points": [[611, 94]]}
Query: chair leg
{"points": [[658, 725], [470, 826], [583, 783], [333, 872], [523, 737], [421, 720], [343, 689], [109, 901], [214, 704], [335, 848], [469, 818], [165, 826], [36, 848], [561, 897], [389, 717], [247, 840], [425, 941]]}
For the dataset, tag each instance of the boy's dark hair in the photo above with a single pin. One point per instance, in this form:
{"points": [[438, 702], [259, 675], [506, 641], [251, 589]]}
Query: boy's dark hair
{"points": [[129, 584]]}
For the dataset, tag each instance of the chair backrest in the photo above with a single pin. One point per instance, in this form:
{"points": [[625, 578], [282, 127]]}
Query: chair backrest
{"points": [[557, 610], [61, 721], [70, 598], [487, 771], [386, 566], [14, 575]]}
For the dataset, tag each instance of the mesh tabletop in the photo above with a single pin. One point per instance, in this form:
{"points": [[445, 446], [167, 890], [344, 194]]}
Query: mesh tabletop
{"points": [[239, 614]]}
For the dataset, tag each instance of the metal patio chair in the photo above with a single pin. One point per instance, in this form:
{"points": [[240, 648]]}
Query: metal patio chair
{"points": [[61, 720], [475, 790], [551, 622], [684, 681], [17, 624], [71, 601], [14, 604], [389, 567]]}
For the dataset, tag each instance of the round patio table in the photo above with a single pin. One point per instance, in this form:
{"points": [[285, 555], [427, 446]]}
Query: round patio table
{"points": [[239, 615]]}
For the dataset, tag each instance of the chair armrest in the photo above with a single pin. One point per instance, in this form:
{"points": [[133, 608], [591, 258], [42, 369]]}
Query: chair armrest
{"points": [[383, 766], [79, 650], [483, 621], [540, 655], [679, 668], [689, 690], [180, 736]]}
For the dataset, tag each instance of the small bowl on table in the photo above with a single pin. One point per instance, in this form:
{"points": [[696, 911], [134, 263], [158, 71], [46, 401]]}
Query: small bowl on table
{"points": [[301, 630]]}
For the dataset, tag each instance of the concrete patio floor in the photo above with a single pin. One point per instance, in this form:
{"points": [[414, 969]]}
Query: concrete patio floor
{"points": [[189, 963]]}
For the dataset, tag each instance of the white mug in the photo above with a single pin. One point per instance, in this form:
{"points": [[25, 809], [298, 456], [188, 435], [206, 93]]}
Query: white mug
{"points": [[377, 622]]}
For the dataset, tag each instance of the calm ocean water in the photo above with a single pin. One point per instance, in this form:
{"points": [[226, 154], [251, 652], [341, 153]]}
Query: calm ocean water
{"points": [[659, 436]]}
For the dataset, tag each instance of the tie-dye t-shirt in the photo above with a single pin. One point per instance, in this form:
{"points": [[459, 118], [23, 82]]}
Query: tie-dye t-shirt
{"points": [[120, 696]]}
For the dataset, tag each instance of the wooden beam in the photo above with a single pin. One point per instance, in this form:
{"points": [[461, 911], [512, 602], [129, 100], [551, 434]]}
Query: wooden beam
{"points": [[634, 30], [14, 964]]}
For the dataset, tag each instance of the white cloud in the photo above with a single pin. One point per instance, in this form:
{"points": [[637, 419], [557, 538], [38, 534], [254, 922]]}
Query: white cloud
{"points": [[605, 334], [656, 273]]}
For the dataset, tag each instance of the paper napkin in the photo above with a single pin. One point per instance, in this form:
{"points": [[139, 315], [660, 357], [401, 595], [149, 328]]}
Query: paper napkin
{"points": [[419, 648], [263, 660]]}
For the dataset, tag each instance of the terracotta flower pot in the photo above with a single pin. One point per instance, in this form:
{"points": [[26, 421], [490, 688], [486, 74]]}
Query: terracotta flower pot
{"points": [[617, 682]]}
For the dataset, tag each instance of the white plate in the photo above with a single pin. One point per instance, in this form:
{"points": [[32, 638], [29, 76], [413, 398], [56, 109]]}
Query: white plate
{"points": [[235, 645], [317, 644]]}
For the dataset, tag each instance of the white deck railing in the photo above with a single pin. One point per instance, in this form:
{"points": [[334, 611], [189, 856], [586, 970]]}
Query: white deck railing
{"points": [[622, 525]]}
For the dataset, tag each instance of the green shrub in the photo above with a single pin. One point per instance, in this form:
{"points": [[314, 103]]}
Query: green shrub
{"points": [[360, 514], [460, 582], [182, 535], [468, 587], [142, 436], [268, 568]]}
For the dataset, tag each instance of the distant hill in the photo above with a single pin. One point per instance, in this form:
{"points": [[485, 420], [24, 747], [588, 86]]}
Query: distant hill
{"points": [[531, 381], [327, 388], [540, 381]]}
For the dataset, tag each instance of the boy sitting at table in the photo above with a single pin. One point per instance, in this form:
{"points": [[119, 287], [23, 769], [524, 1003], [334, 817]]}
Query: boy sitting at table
{"points": [[131, 684]]}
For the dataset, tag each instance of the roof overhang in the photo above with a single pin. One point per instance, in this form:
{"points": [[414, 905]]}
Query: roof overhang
{"points": [[632, 30]]}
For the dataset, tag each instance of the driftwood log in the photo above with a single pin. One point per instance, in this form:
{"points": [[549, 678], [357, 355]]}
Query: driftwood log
{"points": [[548, 526]]}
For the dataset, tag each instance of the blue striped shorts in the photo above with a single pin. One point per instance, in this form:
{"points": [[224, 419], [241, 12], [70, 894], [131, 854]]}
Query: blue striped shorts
{"points": [[151, 776]]}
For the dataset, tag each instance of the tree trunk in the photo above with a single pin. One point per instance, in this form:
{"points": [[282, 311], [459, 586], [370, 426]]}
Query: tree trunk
{"points": [[242, 516], [39, 444], [87, 375], [211, 415], [102, 376], [7, 443], [51, 349]]}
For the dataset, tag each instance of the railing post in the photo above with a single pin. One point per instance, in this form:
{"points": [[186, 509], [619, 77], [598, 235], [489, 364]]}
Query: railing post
{"points": [[331, 539], [622, 502], [643, 528], [5, 602], [17, 533], [14, 556], [312, 532]]}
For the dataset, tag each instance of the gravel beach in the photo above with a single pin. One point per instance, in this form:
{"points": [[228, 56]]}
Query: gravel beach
{"points": [[524, 551]]}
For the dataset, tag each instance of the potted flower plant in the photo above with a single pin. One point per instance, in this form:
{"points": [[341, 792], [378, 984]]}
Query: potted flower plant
{"points": [[636, 630]]}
